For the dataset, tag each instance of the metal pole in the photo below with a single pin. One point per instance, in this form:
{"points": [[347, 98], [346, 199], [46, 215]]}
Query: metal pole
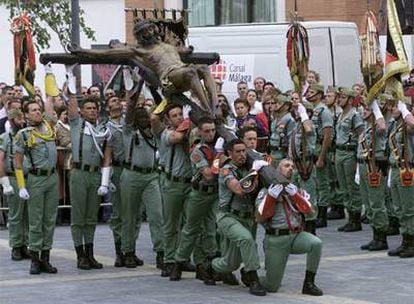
{"points": [[75, 38]]}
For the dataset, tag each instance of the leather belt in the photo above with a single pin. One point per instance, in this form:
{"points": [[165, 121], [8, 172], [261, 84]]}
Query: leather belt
{"points": [[12, 174], [139, 169], [87, 168], [42, 172], [278, 232], [205, 188], [161, 168], [272, 148], [241, 214], [346, 148], [178, 179], [116, 163]]}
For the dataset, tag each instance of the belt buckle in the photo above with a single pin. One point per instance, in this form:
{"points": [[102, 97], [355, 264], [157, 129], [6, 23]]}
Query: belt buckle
{"points": [[92, 168]]}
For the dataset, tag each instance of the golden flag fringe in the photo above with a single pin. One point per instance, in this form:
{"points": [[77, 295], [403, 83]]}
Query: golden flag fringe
{"points": [[396, 62]]}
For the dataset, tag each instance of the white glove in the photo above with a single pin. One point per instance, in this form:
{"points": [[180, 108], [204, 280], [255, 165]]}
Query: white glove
{"points": [[376, 110], [128, 82], [70, 78], [291, 189], [302, 113], [186, 111], [219, 146], [402, 107], [7, 188], [275, 190], [24, 194], [106, 176], [389, 179], [259, 164], [48, 68], [357, 177]]}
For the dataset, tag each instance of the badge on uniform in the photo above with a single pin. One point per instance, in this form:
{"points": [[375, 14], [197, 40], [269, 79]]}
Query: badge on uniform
{"points": [[196, 157], [249, 182], [374, 179], [407, 177]]}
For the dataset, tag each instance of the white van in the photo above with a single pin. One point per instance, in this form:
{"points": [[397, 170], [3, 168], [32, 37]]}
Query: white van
{"points": [[252, 50]]}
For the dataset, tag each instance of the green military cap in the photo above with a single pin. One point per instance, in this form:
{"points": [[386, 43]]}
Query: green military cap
{"points": [[14, 113], [282, 98], [387, 96], [308, 105], [347, 91], [332, 89], [318, 87]]}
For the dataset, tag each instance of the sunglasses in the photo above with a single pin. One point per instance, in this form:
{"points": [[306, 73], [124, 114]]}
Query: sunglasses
{"points": [[269, 103]]}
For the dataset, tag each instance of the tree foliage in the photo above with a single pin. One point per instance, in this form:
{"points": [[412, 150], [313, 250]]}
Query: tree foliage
{"points": [[53, 13]]}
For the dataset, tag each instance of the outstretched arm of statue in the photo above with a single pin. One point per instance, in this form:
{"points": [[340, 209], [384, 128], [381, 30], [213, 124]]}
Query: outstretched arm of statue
{"points": [[116, 53]]}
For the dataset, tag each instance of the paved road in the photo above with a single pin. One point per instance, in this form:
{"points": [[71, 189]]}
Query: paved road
{"points": [[346, 275]]}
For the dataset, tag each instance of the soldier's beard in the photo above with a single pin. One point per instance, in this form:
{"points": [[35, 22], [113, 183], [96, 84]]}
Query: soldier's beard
{"points": [[154, 39]]}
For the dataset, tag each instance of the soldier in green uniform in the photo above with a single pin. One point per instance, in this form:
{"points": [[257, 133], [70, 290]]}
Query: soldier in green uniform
{"points": [[371, 177], [281, 128], [279, 210], [301, 149], [202, 203], [401, 176], [37, 144], [348, 129], [336, 211], [140, 182], [177, 184], [235, 219], [17, 217], [323, 123], [88, 140]]}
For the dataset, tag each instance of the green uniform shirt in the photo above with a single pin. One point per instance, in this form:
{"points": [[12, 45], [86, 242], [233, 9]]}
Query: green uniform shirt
{"points": [[90, 154], [396, 139], [366, 139], [347, 125], [177, 159], [7, 146], [279, 219], [42, 155], [116, 142], [281, 129], [139, 151], [296, 141], [226, 197], [322, 118], [202, 156]]}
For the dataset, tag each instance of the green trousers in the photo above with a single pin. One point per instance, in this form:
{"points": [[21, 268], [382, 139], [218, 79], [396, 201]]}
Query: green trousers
{"points": [[277, 250], [333, 198], [138, 189], [199, 227], [403, 198], [175, 198], [17, 217], [374, 200], [309, 186], [322, 184], [116, 222], [345, 164], [42, 209], [240, 246], [85, 205]]}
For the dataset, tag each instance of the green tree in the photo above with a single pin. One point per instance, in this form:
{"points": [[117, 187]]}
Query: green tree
{"points": [[56, 14]]}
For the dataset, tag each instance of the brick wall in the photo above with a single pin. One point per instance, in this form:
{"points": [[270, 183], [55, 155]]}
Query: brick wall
{"points": [[339, 10]]}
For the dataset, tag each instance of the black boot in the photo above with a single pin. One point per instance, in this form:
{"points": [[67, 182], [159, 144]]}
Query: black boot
{"points": [[159, 260], [346, 225], [310, 226], [336, 213], [35, 265], [45, 265], [366, 246], [129, 260], [380, 241], [166, 270], [207, 273], [229, 279], [408, 251], [188, 267], [309, 286], [91, 259], [397, 251], [244, 277], [16, 254], [354, 223], [138, 261], [394, 226], [365, 219], [255, 288], [25, 253], [321, 221], [83, 262], [176, 271], [119, 256]]}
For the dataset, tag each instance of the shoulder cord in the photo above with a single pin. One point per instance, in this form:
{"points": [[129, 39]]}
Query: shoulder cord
{"points": [[11, 152], [82, 131], [28, 150]]}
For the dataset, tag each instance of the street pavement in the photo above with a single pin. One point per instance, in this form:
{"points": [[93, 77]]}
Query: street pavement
{"points": [[346, 275]]}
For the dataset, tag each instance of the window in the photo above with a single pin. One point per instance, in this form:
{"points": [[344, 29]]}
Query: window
{"points": [[217, 12]]}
